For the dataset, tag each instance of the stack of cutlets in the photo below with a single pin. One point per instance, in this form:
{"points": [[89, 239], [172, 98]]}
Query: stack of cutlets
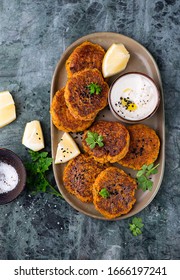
{"points": [[90, 176], [74, 107]]}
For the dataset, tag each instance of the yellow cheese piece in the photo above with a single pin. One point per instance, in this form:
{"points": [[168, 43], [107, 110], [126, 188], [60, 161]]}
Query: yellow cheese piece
{"points": [[67, 149], [33, 136], [5, 99], [115, 60], [7, 108], [7, 115]]}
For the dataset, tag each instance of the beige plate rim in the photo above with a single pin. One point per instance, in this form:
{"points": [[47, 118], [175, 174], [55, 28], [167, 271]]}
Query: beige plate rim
{"points": [[122, 38]]}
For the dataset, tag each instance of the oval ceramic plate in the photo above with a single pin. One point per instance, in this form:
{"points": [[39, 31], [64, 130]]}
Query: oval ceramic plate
{"points": [[140, 61]]}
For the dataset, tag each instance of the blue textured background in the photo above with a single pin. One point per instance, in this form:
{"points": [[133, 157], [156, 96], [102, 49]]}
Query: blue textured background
{"points": [[33, 36]]}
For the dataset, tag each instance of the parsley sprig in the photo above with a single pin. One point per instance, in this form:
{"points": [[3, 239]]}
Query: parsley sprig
{"points": [[37, 168], [94, 138], [136, 226], [94, 88], [104, 193], [144, 182]]}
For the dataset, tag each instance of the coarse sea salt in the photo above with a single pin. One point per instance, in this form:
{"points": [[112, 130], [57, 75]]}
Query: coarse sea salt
{"points": [[8, 177]]}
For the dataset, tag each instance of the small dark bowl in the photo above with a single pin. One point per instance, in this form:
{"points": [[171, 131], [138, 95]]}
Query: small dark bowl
{"points": [[123, 119], [11, 158]]}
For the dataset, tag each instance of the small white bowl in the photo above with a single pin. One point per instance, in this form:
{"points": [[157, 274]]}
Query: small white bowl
{"points": [[133, 97]]}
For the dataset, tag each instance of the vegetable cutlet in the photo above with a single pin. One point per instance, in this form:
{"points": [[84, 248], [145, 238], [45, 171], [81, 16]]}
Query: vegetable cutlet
{"points": [[80, 174], [86, 55], [61, 116], [114, 192], [86, 94], [144, 147], [115, 138]]}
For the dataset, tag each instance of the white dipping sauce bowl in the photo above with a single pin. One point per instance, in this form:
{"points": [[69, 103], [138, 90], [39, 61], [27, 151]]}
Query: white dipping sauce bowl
{"points": [[133, 97]]}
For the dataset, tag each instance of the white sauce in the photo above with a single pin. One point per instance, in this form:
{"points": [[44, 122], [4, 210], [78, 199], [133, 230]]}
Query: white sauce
{"points": [[8, 177], [137, 89]]}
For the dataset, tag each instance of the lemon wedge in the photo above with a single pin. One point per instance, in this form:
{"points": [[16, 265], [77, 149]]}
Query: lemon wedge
{"points": [[115, 60], [67, 149], [33, 136], [7, 108]]}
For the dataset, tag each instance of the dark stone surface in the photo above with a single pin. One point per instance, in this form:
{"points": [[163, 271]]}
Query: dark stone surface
{"points": [[33, 36]]}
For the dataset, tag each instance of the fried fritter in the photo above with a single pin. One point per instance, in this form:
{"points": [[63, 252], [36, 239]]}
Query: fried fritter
{"points": [[81, 103], [115, 138], [62, 118], [86, 55], [120, 192], [144, 147], [80, 174]]}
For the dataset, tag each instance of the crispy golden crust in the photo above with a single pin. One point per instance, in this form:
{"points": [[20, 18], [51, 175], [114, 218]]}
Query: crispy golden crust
{"points": [[121, 188], [62, 118], [86, 55], [81, 103], [79, 176], [115, 138], [144, 147]]}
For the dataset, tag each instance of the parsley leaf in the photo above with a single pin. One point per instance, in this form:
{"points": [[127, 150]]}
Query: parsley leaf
{"points": [[94, 88], [94, 138], [36, 173], [136, 226], [144, 182], [104, 193]]}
